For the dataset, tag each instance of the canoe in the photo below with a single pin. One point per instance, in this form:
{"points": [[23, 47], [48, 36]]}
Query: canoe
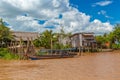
{"points": [[50, 56]]}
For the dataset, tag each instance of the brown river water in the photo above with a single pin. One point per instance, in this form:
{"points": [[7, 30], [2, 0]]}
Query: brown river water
{"points": [[96, 66]]}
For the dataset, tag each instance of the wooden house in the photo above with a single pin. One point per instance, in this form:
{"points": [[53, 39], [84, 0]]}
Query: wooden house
{"points": [[24, 37], [83, 40], [22, 42]]}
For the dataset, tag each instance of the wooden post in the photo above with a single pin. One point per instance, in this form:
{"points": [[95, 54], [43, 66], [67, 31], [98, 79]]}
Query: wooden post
{"points": [[80, 44], [10, 46], [15, 48], [30, 47], [79, 51], [28, 43], [51, 46], [21, 48]]}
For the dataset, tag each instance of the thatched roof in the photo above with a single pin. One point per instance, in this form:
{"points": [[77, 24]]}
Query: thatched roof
{"points": [[25, 35]]}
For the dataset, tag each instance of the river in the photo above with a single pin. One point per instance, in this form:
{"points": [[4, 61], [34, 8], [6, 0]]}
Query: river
{"points": [[96, 66]]}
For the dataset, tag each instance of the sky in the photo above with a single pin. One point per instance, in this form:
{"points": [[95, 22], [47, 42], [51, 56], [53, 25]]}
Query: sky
{"points": [[98, 16]]}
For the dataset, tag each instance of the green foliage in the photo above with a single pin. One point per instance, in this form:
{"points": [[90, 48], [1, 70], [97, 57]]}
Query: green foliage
{"points": [[112, 37], [68, 46], [116, 46], [5, 54], [61, 46], [10, 56], [5, 34], [37, 43], [102, 39], [116, 32], [57, 46], [46, 39]]}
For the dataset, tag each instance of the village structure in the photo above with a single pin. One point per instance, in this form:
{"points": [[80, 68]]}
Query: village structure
{"points": [[76, 40], [22, 42]]}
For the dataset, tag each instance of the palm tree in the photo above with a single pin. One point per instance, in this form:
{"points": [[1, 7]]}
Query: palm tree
{"points": [[5, 34]]}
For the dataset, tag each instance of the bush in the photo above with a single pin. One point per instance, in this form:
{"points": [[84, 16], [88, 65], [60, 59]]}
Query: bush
{"points": [[3, 51], [116, 46], [5, 54]]}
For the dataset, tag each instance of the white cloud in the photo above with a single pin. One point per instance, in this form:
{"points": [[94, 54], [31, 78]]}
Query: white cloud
{"points": [[99, 27], [102, 3], [104, 13], [23, 18], [12, 11]]}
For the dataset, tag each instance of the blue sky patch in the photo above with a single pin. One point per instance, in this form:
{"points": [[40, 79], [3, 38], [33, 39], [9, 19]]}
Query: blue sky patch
{"points": [[60, 16], [50, 27], [40, 21], [25, 14], [93, 7], [5, 23]]}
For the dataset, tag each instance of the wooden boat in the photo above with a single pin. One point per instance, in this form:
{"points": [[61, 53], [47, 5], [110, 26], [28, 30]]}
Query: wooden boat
{"points": [[51, 56]]}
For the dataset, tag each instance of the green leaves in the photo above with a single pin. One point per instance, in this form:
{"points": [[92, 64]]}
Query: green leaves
{"points": [[5, 34], [49, 40], [112, 37], [45, 39], [116, 32], [5, 54]]}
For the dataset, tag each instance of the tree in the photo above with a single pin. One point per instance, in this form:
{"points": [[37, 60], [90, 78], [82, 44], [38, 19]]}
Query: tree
{"points": [[102, 40], [49, 40], [113, 37], [46, 39], [5, 34], [116, 37], [37, 42], [116, 32]]}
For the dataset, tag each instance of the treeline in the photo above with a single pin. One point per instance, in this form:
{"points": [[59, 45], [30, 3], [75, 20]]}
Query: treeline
{"points": [[48, 39], [110, 40]]}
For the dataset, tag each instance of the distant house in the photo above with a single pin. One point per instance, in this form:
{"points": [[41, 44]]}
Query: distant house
{"points": [[82, 40], [64, 40], [24, 35]]}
